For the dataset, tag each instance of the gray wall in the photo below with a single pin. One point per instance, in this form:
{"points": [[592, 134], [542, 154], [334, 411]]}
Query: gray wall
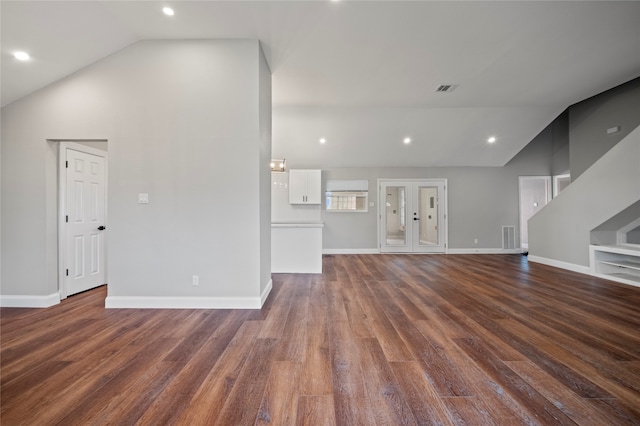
{"points": [[186, 122], [480, 199], [590, 119], [606, 233], [561, 231], [101, 145]]}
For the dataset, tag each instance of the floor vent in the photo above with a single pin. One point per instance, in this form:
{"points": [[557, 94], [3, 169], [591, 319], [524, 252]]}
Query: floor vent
{"points": [[508, 237]]}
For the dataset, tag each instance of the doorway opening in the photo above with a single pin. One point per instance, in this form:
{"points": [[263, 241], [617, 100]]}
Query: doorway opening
{"points": [[412, 216], [534, 194], [82, 216], [560, 182]]}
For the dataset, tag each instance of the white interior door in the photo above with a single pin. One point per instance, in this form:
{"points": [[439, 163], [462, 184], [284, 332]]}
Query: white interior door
{"points": [[84, 221], [535, 193], [413, 216]]}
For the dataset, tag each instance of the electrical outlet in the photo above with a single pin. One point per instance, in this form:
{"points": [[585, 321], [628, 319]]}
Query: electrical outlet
{"points": [[475, 241], [195, 280]]}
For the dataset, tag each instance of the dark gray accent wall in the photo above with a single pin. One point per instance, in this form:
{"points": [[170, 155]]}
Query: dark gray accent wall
{"points": [[560, 142], [590, 119]]}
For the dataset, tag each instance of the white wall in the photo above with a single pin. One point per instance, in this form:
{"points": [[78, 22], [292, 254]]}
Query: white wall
{"points": [[265, 173], [188, 123], [560, 233]]}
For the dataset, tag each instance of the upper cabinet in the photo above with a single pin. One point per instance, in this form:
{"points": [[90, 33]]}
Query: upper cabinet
{"points": [[304, 187]]}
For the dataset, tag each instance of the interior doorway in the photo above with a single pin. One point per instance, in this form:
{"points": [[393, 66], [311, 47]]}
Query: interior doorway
{"points": [[82, 218], [560, 182], [535, 193], [412, 216]]}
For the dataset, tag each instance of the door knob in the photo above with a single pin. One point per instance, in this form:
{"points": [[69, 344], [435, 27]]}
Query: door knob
{"points": [[101, 228], [416, 218]]}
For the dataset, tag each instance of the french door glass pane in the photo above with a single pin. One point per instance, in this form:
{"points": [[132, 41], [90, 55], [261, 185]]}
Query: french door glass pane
{"points": [[428, 215], [396, 230]]}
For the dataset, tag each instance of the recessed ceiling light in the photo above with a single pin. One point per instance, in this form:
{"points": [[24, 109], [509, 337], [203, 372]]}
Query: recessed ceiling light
{"points": [[407, 140], [492, 139], [322, 140], [21, 56], [168, 11]]}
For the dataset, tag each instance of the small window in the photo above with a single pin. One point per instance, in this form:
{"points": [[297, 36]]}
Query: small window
{"points": [[346, 201]]}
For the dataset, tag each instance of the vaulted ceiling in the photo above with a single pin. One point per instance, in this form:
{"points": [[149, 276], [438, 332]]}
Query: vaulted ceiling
{"points": [[363, 74]]}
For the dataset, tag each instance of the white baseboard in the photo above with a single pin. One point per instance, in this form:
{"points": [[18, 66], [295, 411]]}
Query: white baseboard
{"points": [[560, 264], [136, 302], [483, 251], [351, 251], [23, 301], [266, 292]]}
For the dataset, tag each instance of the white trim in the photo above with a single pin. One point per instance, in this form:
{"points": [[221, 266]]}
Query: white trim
{"points": [[556, 178], [23, 301], [137, 302], [63, 146], [351, 251], [616, 279], [297, 225], [483, 251], [560, 264], [621, 234], [265, 293]]}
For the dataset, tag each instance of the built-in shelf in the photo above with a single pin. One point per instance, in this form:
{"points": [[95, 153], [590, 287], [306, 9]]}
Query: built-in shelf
{"points": [[618, 263], [623, 264]]}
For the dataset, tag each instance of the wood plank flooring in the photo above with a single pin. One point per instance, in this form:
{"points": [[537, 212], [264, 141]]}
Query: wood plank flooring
{"points": [[375, 340]]}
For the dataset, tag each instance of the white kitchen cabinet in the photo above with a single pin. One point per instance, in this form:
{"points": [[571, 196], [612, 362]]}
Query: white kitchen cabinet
{"points": [[304, 187]]}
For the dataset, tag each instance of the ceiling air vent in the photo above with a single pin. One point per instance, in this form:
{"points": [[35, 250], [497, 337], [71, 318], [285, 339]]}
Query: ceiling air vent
{"points": [[446, 87]]}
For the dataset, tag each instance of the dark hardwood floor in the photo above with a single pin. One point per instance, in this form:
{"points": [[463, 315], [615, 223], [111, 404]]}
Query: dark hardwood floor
{"points": [[375, 340]]}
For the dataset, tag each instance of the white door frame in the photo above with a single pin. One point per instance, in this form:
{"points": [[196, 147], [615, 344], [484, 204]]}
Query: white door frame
{"points": [[556, 179], [444, 206], [62, 208]]}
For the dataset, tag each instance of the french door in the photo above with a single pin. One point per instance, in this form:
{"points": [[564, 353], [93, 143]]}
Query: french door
{"points": [[413, 216]]}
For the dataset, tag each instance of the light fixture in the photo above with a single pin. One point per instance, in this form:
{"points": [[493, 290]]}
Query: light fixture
{"points": [[323, 140], [407, 141], [492, 139], [21, 56], [168, 11], [278, 165]]}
